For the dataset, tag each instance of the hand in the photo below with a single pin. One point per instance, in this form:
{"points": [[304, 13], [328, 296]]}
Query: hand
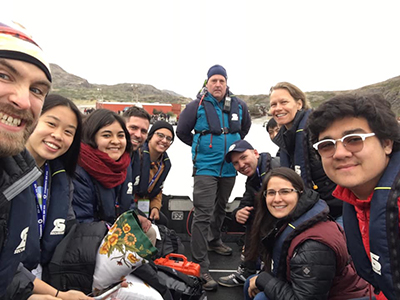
{"points": [[145, 223], [154, 214], [72, 295], [253, 290], [243, 214], [42, 297]]}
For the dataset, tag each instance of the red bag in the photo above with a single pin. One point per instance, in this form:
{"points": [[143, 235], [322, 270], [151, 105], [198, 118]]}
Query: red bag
{"points": [[181, 264]]}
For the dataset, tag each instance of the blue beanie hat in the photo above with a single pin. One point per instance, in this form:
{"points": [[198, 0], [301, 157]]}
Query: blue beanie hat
{"points": [[217, 70]]}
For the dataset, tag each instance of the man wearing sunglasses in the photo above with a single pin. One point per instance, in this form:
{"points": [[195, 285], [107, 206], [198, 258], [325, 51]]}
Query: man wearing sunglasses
{"points": [[154, 166], [358, 140]]}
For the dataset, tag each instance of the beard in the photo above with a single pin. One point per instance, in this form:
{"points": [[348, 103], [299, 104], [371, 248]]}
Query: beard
{"points": [[13, 143]]}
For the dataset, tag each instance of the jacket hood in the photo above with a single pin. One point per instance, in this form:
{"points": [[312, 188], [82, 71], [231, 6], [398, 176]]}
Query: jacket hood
{"points": [[306, 201]]}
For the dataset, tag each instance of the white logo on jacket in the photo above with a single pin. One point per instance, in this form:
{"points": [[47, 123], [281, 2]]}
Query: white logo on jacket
{"points": [[235, 117], [376, 266], [59, 227], [130, 188], [137, 180], [297, 169], [22, 244]]}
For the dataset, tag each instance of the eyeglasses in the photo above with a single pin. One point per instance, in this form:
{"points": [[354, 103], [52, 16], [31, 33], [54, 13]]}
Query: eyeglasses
{"points": [[352, 142], [282, 192], [163, 136]]}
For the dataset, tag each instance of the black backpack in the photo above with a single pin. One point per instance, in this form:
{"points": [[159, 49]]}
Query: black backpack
{"points": [[73, 262], [170, 283], [170, 242]]}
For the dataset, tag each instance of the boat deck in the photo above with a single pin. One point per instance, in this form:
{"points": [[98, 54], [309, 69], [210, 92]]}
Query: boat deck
{"points": [[221, 266], [178, 210]]}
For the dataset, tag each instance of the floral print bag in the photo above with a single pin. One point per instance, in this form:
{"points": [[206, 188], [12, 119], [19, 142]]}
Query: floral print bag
{"points": [[123, 249]]}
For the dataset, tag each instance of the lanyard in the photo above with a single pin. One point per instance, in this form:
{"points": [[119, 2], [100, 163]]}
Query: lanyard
{"points": [[41, 209], [155, 176], [259, 177]]}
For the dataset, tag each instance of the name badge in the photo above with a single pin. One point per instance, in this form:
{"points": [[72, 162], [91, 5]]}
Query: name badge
{"points": [[144, 206]]}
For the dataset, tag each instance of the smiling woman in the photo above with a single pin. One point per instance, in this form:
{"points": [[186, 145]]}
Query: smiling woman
{"points": [[55, 145], [103, 181], [303, 250], [153, 170], [290, 109]]}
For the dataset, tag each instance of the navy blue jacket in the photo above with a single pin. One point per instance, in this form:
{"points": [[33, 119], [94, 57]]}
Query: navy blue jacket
{"points": [[92, 202], [142, 168], [59, 211], [17, 212], [383, 271], [297, 153]]}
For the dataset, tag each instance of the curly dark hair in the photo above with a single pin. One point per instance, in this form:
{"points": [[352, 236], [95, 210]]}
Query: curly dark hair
{"points": [[374, 108]]}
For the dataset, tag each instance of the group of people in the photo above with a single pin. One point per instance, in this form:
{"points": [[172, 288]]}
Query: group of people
{"points": [[322, 218], [58, 169]]}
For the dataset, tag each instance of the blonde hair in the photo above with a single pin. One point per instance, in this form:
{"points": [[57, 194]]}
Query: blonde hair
{"points": [[294, 91]]}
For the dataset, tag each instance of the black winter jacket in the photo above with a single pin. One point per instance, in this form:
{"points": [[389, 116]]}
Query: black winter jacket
{"points": [[312, 270], [17, 215]]}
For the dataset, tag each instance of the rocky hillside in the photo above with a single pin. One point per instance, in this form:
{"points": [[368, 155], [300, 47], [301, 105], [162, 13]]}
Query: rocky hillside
{"points": [[389, 88], [77, 88]]}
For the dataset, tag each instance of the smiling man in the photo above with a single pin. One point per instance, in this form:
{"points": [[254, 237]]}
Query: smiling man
{"points": [[358, 140], [25, 81], [138, 123], [248, 162], [218, 118]]}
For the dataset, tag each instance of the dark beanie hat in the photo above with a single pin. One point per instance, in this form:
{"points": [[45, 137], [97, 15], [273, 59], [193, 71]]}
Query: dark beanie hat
{"points": [[217, 70], [160, 124]]}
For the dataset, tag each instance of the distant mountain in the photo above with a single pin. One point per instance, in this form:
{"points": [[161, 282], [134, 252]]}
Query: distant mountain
{"points": [[390, 89], [77, 88]]}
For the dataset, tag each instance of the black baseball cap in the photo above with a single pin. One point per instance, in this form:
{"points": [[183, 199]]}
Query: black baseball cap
{"points": [[238, 146]]}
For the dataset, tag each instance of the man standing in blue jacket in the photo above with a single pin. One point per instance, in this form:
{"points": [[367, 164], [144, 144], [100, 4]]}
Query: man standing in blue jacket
{"points": [[218, 119]]}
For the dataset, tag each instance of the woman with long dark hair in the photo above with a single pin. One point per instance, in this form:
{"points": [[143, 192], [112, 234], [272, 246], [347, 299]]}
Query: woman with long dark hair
{"points": [[55, 146], [303, 250], [103, 183]]}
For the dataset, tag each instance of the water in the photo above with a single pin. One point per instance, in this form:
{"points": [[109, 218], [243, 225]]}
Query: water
{"points": [[180, 181]]}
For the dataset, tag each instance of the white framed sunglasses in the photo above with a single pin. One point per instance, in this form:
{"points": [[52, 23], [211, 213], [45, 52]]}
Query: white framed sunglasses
{"points": [[352, 142]]}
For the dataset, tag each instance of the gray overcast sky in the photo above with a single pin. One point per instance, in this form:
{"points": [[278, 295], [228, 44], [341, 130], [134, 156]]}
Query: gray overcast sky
{"points": [[170, 44]]}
